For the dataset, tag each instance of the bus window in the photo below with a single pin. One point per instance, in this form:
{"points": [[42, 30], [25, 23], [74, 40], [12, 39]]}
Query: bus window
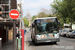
{"points": [[46, 26]]}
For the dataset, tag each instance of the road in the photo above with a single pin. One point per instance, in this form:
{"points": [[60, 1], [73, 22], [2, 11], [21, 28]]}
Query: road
{"points": [[64, 44]]}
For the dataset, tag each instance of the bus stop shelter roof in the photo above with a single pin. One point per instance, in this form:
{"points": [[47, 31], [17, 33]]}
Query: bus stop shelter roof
{"points": [[8, 23]]}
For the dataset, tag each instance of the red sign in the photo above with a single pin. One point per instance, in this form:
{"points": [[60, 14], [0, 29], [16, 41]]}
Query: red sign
{"points": [[14, 14]]}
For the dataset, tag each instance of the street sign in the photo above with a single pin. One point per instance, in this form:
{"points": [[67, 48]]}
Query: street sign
{"points": [[14, 14]]}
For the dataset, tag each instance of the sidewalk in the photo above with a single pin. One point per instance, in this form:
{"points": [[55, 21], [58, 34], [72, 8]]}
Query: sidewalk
{"points": [[26, 43], [26, 47], [8, 45]]}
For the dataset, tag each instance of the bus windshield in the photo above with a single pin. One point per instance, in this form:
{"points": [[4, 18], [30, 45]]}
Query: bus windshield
{"points": [[48, 27]]}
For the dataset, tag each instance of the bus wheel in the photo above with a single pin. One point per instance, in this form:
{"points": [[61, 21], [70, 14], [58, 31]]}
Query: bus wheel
{"points": [[55, 42], [36, 43]]}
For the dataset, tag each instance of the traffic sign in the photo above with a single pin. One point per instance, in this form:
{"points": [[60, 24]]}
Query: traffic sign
{"points": [[14, 14]]}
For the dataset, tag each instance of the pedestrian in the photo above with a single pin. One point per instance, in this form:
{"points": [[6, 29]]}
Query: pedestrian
{"points": [[24, 31]]}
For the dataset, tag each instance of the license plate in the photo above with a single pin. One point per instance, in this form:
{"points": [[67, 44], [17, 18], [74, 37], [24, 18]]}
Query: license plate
{"points": [[48, 41]]}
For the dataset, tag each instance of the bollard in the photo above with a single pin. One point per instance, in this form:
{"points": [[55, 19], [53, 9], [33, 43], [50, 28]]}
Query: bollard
{"points": [[0, 43]]}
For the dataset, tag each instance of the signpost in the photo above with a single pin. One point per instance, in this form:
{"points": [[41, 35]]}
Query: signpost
{"points": [[14, 14]]}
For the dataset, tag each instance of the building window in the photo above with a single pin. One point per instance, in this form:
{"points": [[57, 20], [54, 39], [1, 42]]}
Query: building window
{"points": [[4, 8]]}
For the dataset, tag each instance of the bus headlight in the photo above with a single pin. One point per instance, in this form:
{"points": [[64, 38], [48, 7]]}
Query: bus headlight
{"points": [[56, 35], [38, 37], [42, 36]]}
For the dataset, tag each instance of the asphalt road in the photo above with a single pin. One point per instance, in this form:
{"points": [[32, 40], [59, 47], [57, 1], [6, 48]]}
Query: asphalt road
{"points": [[64, 44]]}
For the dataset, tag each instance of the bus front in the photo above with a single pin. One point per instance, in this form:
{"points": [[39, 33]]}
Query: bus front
{"points": [[47, 30]]}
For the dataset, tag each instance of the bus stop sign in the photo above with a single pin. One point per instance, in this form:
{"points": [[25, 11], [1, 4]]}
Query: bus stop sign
{"points": [[14, 14]]}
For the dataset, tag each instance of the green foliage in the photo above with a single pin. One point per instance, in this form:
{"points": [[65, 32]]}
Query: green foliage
{"points": [[33, 18], [64, 9], [50, 15], [61, 22], [26, 22], [42, 14], [67, 21]]}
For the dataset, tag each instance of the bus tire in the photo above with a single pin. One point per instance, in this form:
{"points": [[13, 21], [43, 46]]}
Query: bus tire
{"points": [[55, 42], [36, 43]]}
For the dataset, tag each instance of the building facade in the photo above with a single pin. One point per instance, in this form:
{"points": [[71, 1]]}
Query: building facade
{"points": [[28, 17], [4, 8]]}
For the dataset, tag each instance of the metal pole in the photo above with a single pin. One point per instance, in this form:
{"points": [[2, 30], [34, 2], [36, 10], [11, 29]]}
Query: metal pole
{"points": [[0, 43], [17, 37], [21, 35], [17, 43], [9, 7], [14, 37], [21, 24]]}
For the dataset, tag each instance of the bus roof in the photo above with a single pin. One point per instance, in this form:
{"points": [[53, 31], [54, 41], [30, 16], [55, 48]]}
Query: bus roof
{"points": [[43, 18]]}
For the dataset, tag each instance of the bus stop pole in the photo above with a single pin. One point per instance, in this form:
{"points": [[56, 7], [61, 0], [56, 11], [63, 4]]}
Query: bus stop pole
{"points": [[14, 36], [0, 43]]}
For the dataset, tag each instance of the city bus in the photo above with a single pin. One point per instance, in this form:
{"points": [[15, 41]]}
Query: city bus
{"points": [[45, 30]]}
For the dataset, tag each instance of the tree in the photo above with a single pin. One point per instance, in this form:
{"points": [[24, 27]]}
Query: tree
{"points": [[44, 13], [43, 10], [26, 22], [64, 9], [33, 17]]}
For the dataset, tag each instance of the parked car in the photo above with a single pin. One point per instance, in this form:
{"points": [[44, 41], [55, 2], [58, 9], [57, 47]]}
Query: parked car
{"points": [[64, 32], [60, 32], [69, 32], [73, 34]]}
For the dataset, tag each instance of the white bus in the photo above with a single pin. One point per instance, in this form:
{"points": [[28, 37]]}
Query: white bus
{"points": [[45, 30]]}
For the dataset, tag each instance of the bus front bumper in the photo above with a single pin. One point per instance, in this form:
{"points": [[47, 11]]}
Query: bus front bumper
{"points": [[48, 40]]}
